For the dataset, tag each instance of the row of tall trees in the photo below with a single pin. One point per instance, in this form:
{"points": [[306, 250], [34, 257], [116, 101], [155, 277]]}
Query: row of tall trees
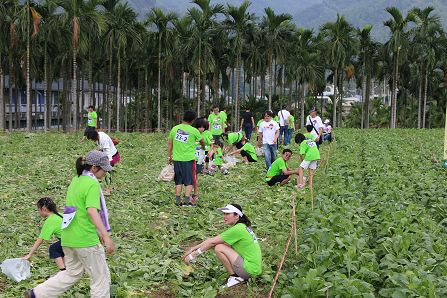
{"points": [[142, 73]]}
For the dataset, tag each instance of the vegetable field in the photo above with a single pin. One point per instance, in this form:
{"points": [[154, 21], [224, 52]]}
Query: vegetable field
{"points": [[378, 227]]}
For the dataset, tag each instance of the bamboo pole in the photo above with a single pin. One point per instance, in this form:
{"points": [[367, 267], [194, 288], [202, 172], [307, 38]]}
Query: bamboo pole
{"points": [[294, 223]]}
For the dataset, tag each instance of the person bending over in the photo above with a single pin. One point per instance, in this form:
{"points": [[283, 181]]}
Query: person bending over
{"points": [[309, 156], [247, 151]]}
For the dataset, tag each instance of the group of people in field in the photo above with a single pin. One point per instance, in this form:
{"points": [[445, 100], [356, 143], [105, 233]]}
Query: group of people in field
{"points": [[199, 145], [82, 230], [195, 146]]}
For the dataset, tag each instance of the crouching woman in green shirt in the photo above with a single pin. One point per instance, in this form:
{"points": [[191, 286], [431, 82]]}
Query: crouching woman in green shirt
{"points": [[83, 231], [237, 247]]}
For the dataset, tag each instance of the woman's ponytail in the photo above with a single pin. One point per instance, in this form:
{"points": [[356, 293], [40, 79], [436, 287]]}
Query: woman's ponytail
{"points": [[81, 166], [244, 219], [49, 204]]}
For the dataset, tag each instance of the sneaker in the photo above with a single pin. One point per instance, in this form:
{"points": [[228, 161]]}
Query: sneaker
{"points": [[234, 280], [185, 201], [29, 294], [193, 201], [300, 186], [178, 201]]}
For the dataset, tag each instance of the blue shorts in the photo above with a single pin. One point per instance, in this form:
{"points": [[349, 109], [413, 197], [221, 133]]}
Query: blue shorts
{"points": [[55, 250]]}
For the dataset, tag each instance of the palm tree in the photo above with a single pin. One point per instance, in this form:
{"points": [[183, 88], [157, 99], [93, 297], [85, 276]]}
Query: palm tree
{"points": [[121, 29], [201, 43], [238, 23], [397, 43], [366, 49], [161, 21], [340, 41], [277, 30], [3, 26], [306, 61], [427, 34], [11, 19], [79, 17]]}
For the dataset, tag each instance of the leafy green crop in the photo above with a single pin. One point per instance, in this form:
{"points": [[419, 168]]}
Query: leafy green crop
{"points": [[377, 230]]}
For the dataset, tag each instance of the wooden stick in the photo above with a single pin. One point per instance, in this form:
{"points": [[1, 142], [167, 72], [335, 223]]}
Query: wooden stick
{"points": [[311, 195], [280, 264], [294, 223]]}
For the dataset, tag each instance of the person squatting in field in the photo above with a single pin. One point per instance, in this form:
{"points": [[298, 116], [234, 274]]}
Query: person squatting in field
{"points": [[237, 247], [182, 151], [52, 226], [84, 232], [279, 172]]}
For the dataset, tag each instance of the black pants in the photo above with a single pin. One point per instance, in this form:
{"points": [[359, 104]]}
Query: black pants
{"points": [[277, 179], [248, 156]]}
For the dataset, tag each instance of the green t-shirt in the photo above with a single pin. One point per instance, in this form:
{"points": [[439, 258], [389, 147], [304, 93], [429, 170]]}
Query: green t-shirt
{"points": [[234, 137], [309, 149], [218, 159], [207, 138], [259, 122], [224, 117], [242, 239], [184, 138], [291, 122], [250, 149], [216, 123], [309, 136], [276, 118], [83, 192], [51, 226], [92, 117], [276, 168]]}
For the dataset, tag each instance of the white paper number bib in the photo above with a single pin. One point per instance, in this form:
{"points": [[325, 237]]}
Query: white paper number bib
{"points": [[182, 136]]}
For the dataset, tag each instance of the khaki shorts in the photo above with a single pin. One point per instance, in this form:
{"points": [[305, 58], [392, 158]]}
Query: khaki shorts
{"points": [[309, 164], [238, 267]]}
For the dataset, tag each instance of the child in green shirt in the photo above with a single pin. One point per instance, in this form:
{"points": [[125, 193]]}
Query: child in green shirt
{"points": [[52, 226], [309, 156], [218, 155]]}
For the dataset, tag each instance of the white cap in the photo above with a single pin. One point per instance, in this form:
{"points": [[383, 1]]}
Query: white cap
{"points": [[231, 209], [326, 121]]}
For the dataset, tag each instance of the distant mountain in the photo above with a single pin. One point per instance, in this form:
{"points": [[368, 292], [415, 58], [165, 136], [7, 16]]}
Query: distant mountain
{"points": [[314, 13]]}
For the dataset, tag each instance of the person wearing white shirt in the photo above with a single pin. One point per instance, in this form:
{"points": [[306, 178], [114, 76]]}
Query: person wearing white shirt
{"points": [[283, 116], [327, 131], [268, 137], [315, 120], [106, 145]]}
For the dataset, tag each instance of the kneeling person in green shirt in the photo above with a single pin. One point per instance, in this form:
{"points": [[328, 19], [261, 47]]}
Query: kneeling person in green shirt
{"points": [[279, 171], [309, 155], [237, 247], [247, 151]]}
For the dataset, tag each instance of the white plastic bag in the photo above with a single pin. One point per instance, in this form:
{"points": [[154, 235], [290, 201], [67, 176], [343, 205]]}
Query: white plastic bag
{"points": [[201, 159], [259, 151], [229, 161], [167, 173], [16, 269]]}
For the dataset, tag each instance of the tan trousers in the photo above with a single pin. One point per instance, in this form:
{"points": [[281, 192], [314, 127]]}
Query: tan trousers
{"points": [[77, 260]]}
